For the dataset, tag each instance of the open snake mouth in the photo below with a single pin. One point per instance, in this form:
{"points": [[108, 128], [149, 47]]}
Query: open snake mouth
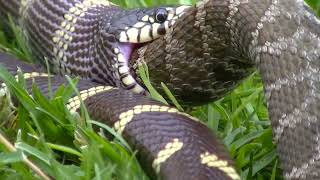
{"points": [[127, 74], [151, 26]]}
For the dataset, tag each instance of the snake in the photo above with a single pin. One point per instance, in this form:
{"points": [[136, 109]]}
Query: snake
{"points": [[281, 38]]}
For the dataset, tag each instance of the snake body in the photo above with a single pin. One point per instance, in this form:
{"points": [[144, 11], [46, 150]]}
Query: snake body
{"points": [[163, 136], [280, 37], [93, 40]]}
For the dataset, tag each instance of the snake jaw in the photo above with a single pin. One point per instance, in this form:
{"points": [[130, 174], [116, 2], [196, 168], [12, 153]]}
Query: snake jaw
{"points": [[125, 75], [130, 38]]}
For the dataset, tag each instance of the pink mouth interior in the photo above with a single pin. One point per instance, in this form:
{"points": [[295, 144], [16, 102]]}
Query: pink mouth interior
{"points": [[126, 49]]}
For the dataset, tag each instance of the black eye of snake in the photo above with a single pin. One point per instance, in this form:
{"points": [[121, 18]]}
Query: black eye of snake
{"points": [[161, 15]]}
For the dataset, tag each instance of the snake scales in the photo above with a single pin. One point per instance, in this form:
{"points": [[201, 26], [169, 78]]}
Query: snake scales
{"points": [[280, 37]]}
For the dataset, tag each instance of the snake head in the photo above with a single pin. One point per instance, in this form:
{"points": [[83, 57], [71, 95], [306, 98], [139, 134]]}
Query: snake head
{"points": [[145, 25], [133, 29]]}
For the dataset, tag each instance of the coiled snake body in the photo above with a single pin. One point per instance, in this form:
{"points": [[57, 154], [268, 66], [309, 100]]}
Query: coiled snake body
{"points": [[280, 37]]}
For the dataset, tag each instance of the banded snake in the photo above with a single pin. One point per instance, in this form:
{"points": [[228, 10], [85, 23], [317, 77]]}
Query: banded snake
{"points": [[235, 36]]}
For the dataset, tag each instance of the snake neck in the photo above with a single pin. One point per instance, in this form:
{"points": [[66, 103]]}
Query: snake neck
{"points": [[201, 44]]}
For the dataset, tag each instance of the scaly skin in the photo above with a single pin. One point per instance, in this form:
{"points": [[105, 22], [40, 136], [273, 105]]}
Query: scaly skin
{"points": [[219, 41], [170, 144], [280, 37]]}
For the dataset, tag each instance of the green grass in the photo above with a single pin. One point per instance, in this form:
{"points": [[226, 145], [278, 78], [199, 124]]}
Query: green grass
{"points": [[63, 145]]}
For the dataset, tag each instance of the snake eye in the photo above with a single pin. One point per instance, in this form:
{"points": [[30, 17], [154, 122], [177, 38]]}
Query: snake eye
{"points": [[161, 15]]}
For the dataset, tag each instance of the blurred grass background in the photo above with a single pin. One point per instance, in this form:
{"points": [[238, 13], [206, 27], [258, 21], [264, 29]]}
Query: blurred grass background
{"points": [[63, 146]]}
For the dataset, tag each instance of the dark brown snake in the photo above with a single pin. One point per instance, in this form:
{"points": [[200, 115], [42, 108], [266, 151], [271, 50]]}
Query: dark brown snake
{"points": [[232, 36]]}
